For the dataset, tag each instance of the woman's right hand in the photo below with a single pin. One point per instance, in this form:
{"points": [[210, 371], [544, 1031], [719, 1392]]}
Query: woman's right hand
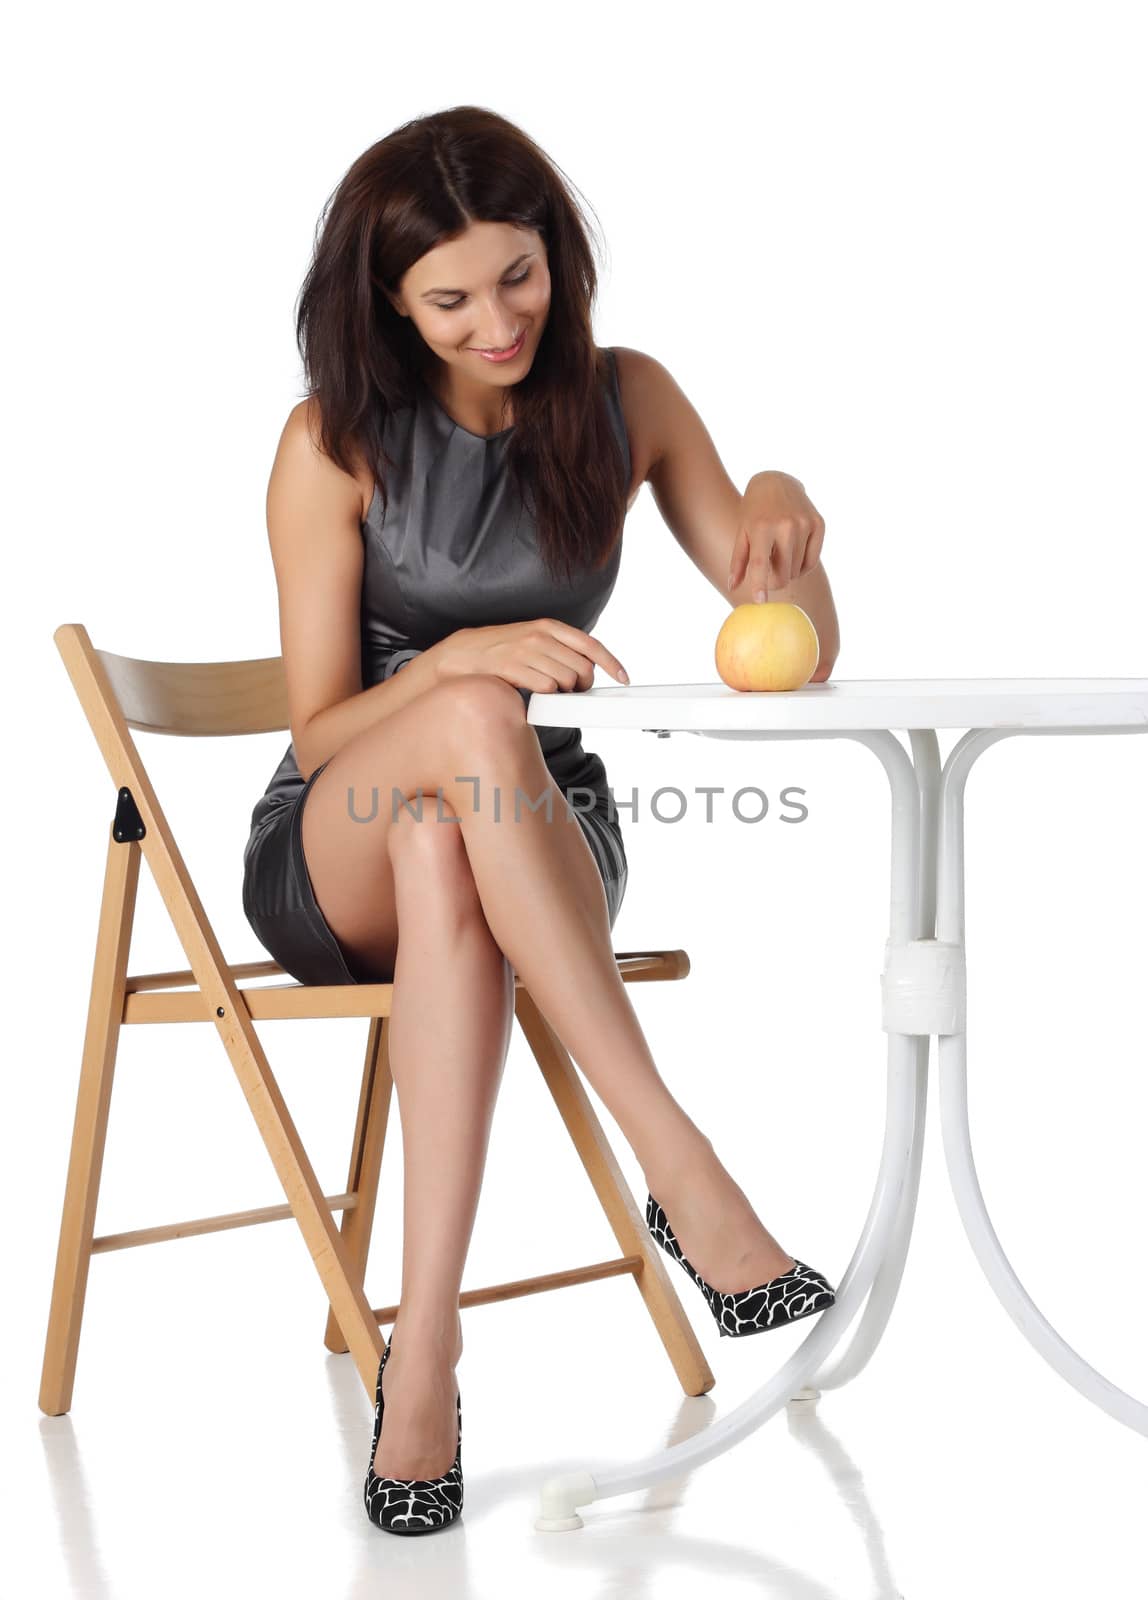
{"points": [[542, 655]]}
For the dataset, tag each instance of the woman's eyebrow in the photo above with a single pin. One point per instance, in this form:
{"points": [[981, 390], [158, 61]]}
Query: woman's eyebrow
{"points": [[525, 255]]}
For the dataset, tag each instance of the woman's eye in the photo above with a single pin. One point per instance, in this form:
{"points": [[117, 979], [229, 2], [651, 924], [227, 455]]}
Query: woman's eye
{"points": [[512, 282]]}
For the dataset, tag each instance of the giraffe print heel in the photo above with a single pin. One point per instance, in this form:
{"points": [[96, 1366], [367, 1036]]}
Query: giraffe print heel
{"points": [[411, 1505], [798, 1293]]}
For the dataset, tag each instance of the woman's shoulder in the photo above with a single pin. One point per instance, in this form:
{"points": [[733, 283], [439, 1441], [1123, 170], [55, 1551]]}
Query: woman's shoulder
{"points": [[302, 440], [635, 367], [639, 377]]}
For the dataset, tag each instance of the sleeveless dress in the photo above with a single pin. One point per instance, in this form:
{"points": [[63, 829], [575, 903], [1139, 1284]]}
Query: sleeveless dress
{"points": [[455, 549]]}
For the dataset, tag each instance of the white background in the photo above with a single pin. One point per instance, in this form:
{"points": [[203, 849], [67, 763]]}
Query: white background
{"points": [[896, 250]]}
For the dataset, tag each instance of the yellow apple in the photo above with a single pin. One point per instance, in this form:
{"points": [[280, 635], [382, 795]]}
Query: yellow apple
{"points": [[767, 644]]}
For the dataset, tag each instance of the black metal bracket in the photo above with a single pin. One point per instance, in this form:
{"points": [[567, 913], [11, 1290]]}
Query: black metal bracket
{"points": [[128, 824]]}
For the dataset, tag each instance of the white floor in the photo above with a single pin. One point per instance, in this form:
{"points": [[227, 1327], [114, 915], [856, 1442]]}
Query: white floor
{"points": [[214, 1447]]}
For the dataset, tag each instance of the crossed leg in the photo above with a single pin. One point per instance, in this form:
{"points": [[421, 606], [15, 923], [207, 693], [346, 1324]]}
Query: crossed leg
{"points": [[484, 888]]}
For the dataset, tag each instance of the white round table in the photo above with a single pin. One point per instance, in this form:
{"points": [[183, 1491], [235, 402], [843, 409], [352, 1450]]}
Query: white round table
{"points": [[922, 988]]}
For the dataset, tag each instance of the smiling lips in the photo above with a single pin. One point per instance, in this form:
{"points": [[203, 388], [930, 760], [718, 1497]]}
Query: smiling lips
{"points": [[503, 355]]}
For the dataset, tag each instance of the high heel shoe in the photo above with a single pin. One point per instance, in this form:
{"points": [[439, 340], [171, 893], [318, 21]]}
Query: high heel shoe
{"points": [[798, 1293], [411, 1505]]}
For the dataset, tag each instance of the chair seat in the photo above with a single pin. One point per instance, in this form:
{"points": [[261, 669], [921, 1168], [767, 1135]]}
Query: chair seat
{"points": [[157, 997]]}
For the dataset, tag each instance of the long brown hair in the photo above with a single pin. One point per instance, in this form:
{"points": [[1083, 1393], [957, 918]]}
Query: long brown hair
{"points": [[422, 185]]}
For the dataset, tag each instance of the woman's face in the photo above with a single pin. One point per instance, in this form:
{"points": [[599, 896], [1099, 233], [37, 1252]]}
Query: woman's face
{"points": [[482, 291]]}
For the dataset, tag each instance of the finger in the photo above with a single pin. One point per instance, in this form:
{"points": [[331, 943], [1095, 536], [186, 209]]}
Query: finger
{"points": [[783, 550], [571, 668], [738, 558], [587, 645], [760, 577], [793, 562], [536, 681], [802, 566]]}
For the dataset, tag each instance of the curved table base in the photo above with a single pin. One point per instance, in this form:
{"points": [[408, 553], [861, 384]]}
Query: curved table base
{"points": [[923, 987], [952, 1057]]}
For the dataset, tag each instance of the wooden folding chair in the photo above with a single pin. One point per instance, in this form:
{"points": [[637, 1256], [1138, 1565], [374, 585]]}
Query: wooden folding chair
{"points": [[119, 693]]}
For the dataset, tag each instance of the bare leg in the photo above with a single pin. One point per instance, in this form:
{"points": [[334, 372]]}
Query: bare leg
{"points": [[545, 906], [451, 1020]]}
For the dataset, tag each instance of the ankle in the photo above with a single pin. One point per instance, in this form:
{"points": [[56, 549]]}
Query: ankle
{"points": [[679, 1164], [430, 1332]]}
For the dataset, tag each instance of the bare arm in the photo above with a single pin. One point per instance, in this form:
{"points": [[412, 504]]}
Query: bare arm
{"points": [[700, 503], [313, 515]]}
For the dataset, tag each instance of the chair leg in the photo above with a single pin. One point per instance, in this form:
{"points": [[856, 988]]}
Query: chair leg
{"points": [[297, 1175], [366, 1163], [89, 1130], [634, 1238], [100, 680]]}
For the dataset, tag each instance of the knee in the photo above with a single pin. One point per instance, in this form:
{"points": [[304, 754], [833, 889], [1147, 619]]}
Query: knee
{"points": [[432, 846], [484, 708]]}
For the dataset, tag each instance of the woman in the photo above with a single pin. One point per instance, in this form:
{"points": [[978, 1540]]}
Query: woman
{"points": [[445, 525]]}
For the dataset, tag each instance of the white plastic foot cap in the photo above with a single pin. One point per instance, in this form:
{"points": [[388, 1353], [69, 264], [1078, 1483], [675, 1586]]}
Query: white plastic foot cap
{"points": [[560, 1498]]}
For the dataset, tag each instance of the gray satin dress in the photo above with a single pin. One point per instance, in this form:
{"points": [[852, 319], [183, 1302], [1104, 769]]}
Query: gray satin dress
{"points": [[456, 549]]}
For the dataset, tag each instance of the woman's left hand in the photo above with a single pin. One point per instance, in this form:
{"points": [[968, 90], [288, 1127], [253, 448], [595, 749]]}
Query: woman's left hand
{"points": [[780, 535]]}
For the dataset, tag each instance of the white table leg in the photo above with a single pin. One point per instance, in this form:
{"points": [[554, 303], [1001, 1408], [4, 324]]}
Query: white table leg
{"points": [[955, 1109], [883, 1295], [884, 1227]]}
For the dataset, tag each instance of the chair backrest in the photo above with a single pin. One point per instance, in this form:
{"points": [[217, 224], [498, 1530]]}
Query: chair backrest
{"points": [[119, 693], [205, 698]]}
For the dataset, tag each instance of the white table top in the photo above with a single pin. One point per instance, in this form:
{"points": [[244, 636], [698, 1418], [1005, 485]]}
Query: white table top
{"points": [[843, 704]]}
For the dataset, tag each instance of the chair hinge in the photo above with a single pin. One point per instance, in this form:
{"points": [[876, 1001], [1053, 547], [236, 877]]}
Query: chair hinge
{"points": [[128, 824]]}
